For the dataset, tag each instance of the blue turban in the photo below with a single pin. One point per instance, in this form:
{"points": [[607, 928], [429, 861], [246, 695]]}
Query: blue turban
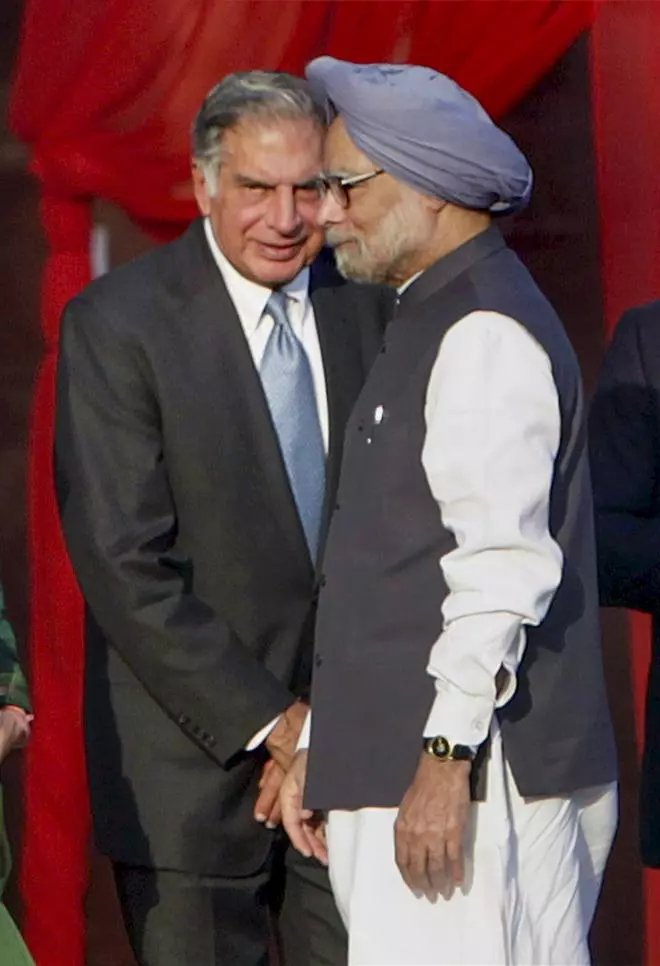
{"points": [[426, 131]]}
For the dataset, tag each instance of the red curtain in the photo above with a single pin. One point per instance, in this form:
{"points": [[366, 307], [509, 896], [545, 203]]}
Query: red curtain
{"points": [[104, 94]]}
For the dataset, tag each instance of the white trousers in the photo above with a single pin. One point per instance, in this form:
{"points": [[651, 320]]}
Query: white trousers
{"points": [[533, 875]]}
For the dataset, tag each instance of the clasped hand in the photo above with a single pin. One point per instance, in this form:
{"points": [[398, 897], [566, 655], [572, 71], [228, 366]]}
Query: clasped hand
{"points": [[281, 744], [305, 828], [429, 830]]}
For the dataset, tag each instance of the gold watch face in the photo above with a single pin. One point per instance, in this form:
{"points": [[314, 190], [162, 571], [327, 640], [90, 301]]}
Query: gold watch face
{"points": [[440, 747]]}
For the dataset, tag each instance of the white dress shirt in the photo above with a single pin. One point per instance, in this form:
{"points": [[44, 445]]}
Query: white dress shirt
{"points": [[492, 434], [250, 300]]}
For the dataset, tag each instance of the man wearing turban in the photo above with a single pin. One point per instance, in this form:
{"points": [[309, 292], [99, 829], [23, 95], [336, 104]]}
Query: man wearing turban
{"points": [[461, 744]]}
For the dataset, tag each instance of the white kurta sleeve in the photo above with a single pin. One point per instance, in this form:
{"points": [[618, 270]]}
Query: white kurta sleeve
{"points": [[492, 434]]}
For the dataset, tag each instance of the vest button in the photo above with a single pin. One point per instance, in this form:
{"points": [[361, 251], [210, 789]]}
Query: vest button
{"points": [[318, 660], [323, 580]]}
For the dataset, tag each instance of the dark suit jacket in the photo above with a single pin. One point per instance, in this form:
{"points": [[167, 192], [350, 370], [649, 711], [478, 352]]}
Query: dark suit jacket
{"points": [[625, 460], [184, 536]]}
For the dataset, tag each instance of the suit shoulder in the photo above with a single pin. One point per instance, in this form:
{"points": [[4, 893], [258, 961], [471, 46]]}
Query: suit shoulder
{"points": [[643, 319], [127, 290]]}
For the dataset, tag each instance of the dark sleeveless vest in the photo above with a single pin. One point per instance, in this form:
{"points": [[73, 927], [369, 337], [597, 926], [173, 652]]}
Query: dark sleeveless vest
{"points": [[382, 588]]}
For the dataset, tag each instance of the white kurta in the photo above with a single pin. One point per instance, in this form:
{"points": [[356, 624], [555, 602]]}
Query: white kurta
{"points": [[492, 434], [532, 881]]}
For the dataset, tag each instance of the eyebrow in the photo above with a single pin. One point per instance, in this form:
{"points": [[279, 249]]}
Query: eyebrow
{"points": [[245, 181]]}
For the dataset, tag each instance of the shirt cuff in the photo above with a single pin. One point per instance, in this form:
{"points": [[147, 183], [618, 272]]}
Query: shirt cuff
{"points": [[460, 718], [257, 740], [474, 663], [305, 734]]}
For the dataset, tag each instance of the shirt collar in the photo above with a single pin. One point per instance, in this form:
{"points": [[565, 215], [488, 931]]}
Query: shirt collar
{"points": [[249, 297], [401, 289]]}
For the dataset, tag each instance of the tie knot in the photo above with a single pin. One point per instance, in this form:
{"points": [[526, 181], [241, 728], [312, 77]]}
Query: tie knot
{"points": [[276, 307]]}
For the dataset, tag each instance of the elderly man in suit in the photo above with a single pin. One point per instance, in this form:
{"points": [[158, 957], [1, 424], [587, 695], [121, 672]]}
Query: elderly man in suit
{"points": [[203, 392], [624, 442], [460, 735]]}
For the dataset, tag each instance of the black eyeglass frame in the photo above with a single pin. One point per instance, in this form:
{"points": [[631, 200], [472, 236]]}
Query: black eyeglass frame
{"points": [[338, 186]]}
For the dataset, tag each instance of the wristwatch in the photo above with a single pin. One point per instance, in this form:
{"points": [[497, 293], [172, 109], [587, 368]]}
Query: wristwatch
{"points": [[442, 750]]}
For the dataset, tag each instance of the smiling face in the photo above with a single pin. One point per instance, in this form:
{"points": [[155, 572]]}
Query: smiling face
{"points": [[264, 211], [382, 233]]}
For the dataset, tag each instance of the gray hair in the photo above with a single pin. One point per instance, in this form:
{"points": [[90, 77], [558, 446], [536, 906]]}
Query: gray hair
{"points": [[251, 94]]}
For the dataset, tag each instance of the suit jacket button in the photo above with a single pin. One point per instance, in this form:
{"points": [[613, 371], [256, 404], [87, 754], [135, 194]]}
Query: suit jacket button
{"points": [[318, 660], [183, 720], [323, 580]]}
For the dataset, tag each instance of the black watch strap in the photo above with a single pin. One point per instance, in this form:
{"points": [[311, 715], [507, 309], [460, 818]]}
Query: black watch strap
{"points": [[442, 750]]}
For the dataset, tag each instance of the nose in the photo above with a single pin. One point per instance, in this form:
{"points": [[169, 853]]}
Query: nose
{"points": [[283, 214], [330, 211]]}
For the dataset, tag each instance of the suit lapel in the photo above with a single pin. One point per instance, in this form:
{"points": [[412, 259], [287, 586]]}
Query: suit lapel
{"points": [[211, 311]]}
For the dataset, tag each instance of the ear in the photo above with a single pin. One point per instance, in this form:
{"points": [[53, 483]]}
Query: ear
{"points": [[201, 189]]}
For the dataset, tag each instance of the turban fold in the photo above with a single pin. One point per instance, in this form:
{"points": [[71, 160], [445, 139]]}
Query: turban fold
{"points": [[426, 131]]}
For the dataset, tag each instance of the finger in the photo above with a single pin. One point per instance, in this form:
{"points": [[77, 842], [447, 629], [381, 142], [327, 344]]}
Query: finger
{"points": [[290, 804], [455, 858], [296, 833], [315, 831], [267, 796], [266, 799], [417, 867], [401, 853], [404, 859], [275, 815], [436, 871], [265, 772]]}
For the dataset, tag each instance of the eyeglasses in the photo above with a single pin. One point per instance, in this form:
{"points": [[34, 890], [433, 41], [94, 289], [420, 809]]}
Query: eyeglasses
{"points": [[340, 187]]}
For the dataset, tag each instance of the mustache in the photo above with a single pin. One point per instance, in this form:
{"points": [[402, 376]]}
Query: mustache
{"points": [[334, 237]]}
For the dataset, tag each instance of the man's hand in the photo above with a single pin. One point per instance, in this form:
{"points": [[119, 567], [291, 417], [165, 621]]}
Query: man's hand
{"points": [[268, 809], [430, 827], [305, 828], [14, 729], [283, 739]]}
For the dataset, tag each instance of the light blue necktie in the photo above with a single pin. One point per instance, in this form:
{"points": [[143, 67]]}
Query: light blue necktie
{"points": [[286, 375]]}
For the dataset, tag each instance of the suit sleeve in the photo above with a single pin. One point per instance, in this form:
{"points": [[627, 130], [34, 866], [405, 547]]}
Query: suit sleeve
{"points": [[625, 462], [119, 520]]}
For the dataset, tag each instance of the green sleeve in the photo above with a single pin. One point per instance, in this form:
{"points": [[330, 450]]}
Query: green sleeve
{"points": [[13, 687]]}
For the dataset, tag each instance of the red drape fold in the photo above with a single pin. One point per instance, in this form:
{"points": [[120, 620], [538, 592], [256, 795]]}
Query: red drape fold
{"points": [[124, 80], [56, 805]]}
